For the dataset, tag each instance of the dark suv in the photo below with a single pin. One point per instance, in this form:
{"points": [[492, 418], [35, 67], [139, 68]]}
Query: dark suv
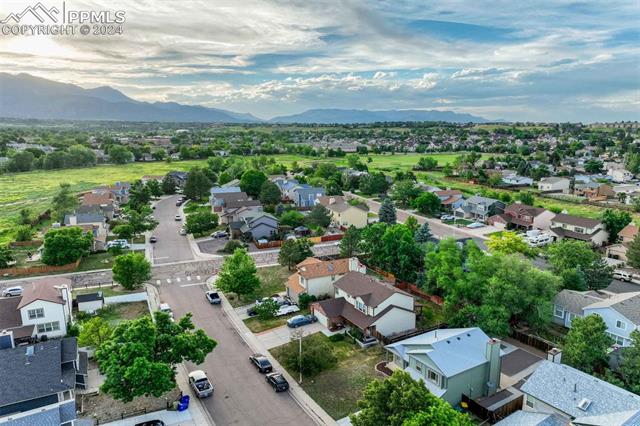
{"points": [[261, 362], [278, 382]]}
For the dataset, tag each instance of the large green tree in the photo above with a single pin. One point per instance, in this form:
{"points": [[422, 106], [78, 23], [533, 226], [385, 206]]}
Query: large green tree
{"points": [[508, 242], [94, 332], [238, 274], [293, 252], [269, 193], [405, 192], [65, 245], [349, 242], [614, 221], [319, 216], [423, 234], [586, 345], [63, 202], [197, 185], [139, 195], [140, 356], [630, 365], [131, 270], [119, 154], [200, 222], [251, 182], [168, 185], [580, 266], [387, 212], [633, 252], [427, 203]]}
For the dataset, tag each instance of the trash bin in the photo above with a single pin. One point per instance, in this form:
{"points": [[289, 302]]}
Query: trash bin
{"points": [[184, 403]]}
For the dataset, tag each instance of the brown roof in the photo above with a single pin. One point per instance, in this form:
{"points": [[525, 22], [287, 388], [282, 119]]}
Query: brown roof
{"points": [[339, 204], [521, 209], [323, 268], [43, 289], [448, 192], [9, 313], [628, 231], [584, 222], [97, 198], [294, 284], [335, 308], [560, 232], [370, 290]]}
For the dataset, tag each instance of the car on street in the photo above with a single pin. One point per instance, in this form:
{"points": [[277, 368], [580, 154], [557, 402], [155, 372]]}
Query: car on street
{"points": [[200, 384], [178, 203], [166, 308], [277, 381], [153, 239], [261, 363], [219, 234], [287, 309], [151, 423], [300, 320], [213, 297], [475, 225], [281, 301], [178, 218], [12, 291], [183, 231], [124, 244], [445, 217]]}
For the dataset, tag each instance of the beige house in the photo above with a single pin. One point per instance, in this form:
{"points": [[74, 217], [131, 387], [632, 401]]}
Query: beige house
{"points": [[579, 228], [315, 277], [345, 214], [625, 236]]}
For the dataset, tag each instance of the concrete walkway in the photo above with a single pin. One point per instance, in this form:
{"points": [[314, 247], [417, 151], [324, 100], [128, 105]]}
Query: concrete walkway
{"points": [[170, 418], [282, 335]]}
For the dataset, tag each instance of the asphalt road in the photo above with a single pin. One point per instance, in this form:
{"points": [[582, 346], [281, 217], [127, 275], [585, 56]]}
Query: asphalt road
{"points": [[241, 395], [171, 246]]}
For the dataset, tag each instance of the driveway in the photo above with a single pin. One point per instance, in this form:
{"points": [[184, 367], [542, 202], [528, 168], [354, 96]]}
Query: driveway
{"points": [[171, 246], [282, 335], [241, 396]]}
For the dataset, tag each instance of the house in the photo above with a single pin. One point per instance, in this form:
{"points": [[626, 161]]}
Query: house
{"points": [[230, 204], [579, 228], [285, 186], [304, 195], [522, 216], [90, 302], [179, 178], [315, 277], [103, 201], [374, 307], [44, 309], [90, 219], [620, 312], [479, 208], [578, 397], [626, 193], [345, 214], [532, 418], [120, 191], [259, 224], [554, 184], [515, 180], [38, 383], [451, 362], [450, 199], [594, 191], [620, 175], [218, 194], [625, 237]]}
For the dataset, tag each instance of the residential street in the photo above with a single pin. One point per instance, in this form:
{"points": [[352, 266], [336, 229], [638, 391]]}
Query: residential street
{"points": [[171, 246]]}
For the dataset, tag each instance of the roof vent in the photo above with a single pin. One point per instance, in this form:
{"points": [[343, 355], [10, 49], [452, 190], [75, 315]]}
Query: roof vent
{"points": [[448, 341], [29, 351], [584, 404]]}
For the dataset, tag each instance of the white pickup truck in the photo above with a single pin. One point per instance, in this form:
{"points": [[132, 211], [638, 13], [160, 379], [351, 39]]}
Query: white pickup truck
{"points": [[200, 384]]}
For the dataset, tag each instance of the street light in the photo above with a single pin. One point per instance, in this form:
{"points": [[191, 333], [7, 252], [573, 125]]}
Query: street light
{"points": [[298, 334]]}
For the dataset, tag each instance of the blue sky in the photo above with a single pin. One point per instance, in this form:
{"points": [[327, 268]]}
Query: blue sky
{"points": [[533, 61]]}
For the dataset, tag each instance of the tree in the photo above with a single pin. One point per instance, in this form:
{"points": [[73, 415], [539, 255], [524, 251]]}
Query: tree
{"points": [[24, 233], [131, 270], [201, 222], [412, 223], [168, 185], [442, 414], [21, 162], [124, 231], [139, 195], [404, 192], [6, 257], [197, 185], [598, 274], [315, 358], [118, 154], [251, 182], [427, 203], [633, 252], [63, 202], [267, 309], [630, 365], [94, 332], [593, 166], [292, 218], [614, 221], [587, 343], [393, 249], [423, 234], [293, 252], [526, 197], [65, 245], [507, 242], [238, 274], [399, 399], [426, 164], [269, 193], [349, 242], [373, 183], [387, 212], [567, 254], [25, 216], [319, 216], [140, 356], [154, 187]]}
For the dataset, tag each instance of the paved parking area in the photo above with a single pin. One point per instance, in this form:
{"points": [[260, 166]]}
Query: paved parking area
{"points": [[282, 335]]}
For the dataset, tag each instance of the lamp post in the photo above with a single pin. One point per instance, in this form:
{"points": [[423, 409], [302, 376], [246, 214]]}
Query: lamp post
{"points": [[298, 334]]}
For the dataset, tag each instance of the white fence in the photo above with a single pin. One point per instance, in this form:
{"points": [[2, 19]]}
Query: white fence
{"points": [[126, 298]]}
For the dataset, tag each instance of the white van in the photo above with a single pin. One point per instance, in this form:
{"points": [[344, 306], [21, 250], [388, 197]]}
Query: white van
{"points": [[539, 240], [622, 275]]}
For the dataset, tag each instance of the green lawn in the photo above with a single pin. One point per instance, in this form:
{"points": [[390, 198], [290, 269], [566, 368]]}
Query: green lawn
{"points": [[256, 325], [106, 291], [432, 314], [272, 281], [338, 389], [115, 314], [95, 261]]}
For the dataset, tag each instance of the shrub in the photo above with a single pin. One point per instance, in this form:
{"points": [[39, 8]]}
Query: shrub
{"points": [[338, 337], [267, 309], [304, 300], [315, 358], [24, 233], [231, 246]]}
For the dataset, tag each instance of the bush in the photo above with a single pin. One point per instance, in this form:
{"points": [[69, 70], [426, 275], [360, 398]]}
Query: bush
{"points": [[24, 233], [339, 337], [304, 300], [231, 246], [267, 309], [315, 358]]}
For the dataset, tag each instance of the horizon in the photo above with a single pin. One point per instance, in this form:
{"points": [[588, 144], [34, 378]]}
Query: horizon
{"points": [[548, 62]]}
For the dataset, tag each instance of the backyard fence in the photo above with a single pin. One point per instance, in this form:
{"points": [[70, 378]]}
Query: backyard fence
{"points": [[493, 416], [40, 270], [126, 298], [533, 341]]}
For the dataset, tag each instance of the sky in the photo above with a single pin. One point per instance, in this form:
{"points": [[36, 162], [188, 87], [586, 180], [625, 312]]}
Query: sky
{"points": [[512, 60]]}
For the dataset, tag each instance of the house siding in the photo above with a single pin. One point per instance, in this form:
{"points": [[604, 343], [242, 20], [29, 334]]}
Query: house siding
{"points": [[395, 321], [52, 312], [320, 286], [470, 382], [610, 317]]}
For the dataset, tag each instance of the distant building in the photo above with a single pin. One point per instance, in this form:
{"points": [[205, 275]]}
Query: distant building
{"points": [[554, 184]]}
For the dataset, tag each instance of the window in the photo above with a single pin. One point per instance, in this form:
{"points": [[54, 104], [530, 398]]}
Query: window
{"points": [[361, 307], [618, 340], [530, 402], [36, 313], [621, 325], [433, 377], [578, 230], [418, 366], [572, 316], [48, 326], [559, 311]]}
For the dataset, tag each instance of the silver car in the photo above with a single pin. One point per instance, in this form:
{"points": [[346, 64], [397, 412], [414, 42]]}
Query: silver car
{"points": [[12, 291]]}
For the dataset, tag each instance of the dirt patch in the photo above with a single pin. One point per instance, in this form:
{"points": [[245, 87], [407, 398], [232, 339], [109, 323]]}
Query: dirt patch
{"points": [[102, 408]]}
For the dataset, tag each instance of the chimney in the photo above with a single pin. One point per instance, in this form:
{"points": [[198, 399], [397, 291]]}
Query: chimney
{"points": [[64, 293], [356, 266], [332, 200], [555, 355], [492, 353]]}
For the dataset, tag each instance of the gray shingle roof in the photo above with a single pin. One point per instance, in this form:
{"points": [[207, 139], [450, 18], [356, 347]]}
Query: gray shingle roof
{"points": [[628, 304], [89, 297], [574, 301], [564, 387], [531, 418]]}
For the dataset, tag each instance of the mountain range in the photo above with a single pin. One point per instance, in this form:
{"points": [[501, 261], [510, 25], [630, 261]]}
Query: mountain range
{"points": [[26, 96]]}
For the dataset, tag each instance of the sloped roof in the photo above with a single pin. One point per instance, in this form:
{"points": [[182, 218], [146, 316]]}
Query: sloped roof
{"points": [[43, 289], [370, 290], [323, 268], [532, 418], [629, 231], [628, 304], [584, 222], [9, 313], [524, 209], [575, 301]]}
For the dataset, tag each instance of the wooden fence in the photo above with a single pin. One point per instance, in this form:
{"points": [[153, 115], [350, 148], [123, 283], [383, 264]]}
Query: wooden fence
{"points": [[314, 240], [416, 291], [493, 416], [39, 270], [533, 341]]}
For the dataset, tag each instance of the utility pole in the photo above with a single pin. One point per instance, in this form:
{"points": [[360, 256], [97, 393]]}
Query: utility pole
{"points": [[298, 334]]}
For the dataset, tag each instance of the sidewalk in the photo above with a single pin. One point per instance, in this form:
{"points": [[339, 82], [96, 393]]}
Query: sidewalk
{"points": [[315, 412], [170, 418], [282, 335], [198, 412]]}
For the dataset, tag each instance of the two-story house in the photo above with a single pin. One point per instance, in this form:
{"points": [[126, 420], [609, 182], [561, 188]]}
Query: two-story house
{"points": [[479, 208], [374, 307], [44, 309], [230, 205], [260, 225], [345, 214], [554, 184], [594, 191], [304, 195], [105, 201], [179, 178], [450, 199], [315, 277], [522, 216], [625, 237], [451, 362], [219, 195], [90, 219], [620, 312], [38, 383], [579, 228]]}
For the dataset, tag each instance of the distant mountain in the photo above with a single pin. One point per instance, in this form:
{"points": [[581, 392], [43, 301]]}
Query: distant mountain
{"points": [[26, 96], [349, 116]]}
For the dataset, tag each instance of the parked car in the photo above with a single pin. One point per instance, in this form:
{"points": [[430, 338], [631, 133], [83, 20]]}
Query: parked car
{"points": [[183, 231], [178, 203], [281, 301], [617, 274], [261, 362], [151, 423], [178, 218], [219, 234], [447, 217], [124, 244], [153, 239], [278, 382], [200, 384], [475, 225], [12, 291], [300, 320], [287, 309], [164, 307], [213, 297]]}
